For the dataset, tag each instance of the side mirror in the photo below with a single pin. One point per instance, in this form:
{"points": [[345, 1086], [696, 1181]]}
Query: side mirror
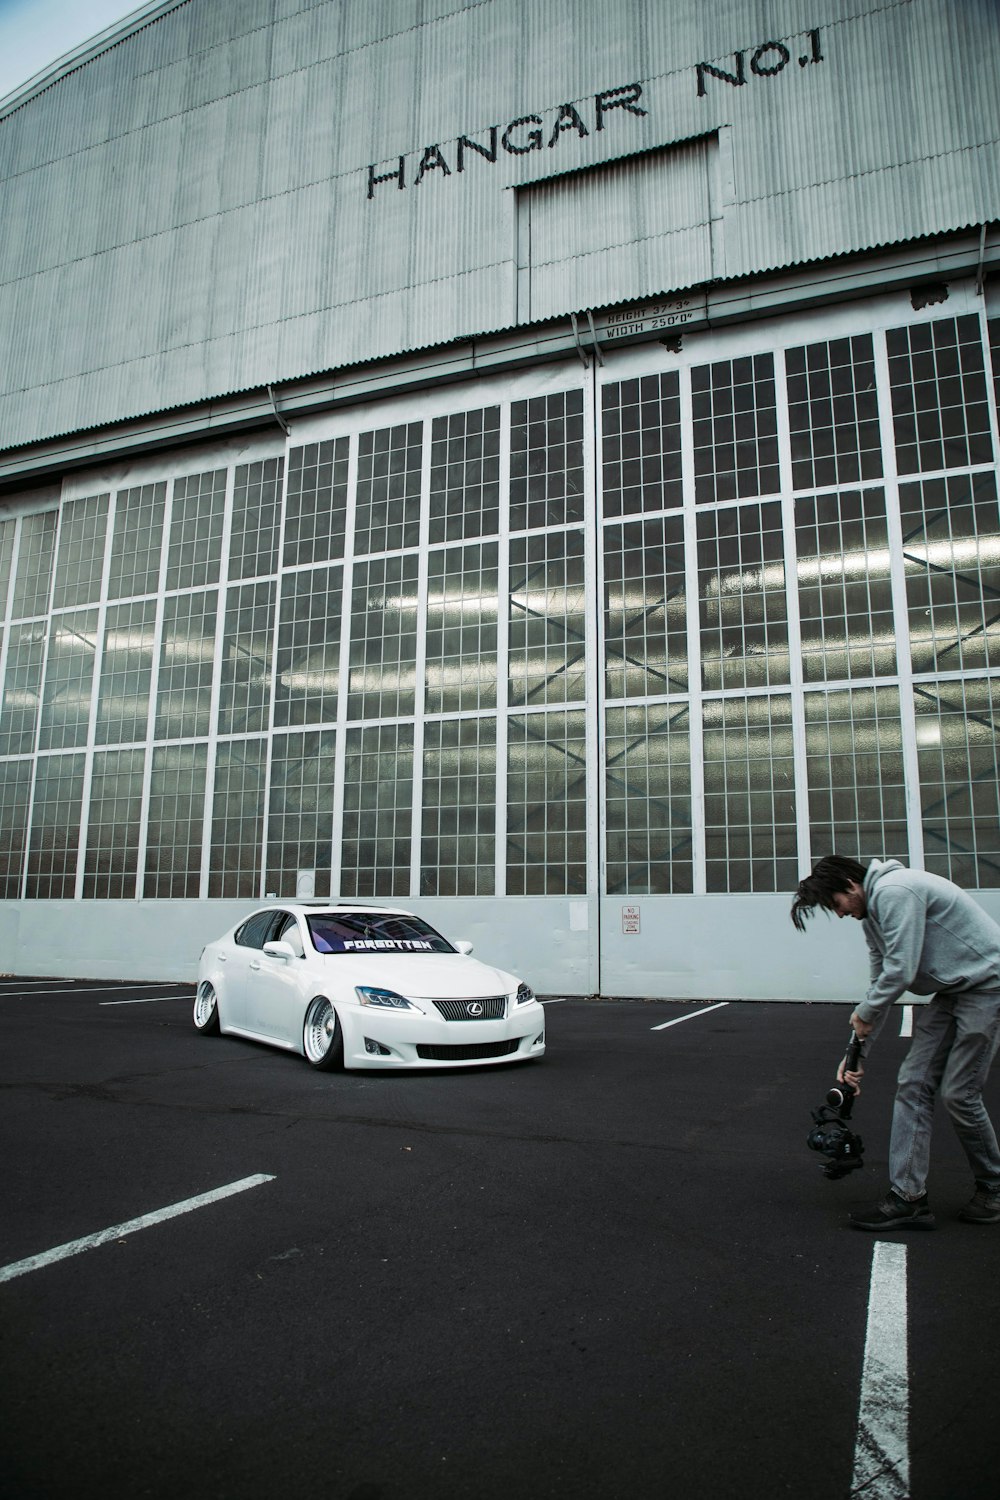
{"points": [[279, 950], [463, 946]]}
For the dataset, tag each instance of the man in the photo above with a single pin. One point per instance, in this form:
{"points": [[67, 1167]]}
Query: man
{"points": [[926, 935]]}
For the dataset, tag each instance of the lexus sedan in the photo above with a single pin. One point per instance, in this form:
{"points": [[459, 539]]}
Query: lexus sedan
{"points": [[363, 987]]}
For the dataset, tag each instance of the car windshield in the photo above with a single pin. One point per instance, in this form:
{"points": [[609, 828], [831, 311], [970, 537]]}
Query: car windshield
{"points": [[374, 932]]}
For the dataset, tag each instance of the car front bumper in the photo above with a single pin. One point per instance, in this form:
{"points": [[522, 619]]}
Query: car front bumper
{"points": [[378, 1038]]}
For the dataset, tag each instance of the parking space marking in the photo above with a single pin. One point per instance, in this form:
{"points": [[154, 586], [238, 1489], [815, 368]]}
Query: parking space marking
{"points": [[70, 989], [146, 1000], [119, 1231], [881, 1452], [690, 1016], [906, 1023]]}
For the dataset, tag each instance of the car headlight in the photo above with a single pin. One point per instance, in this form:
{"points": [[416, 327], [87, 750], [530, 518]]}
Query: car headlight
{"points": [[388, 999], [524, 994]]}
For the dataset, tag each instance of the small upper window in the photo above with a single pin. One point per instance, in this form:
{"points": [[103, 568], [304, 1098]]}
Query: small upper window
{"points": [[255, 930], [288, 932]]}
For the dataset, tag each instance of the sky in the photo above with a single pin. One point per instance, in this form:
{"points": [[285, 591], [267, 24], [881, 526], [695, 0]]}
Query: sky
{"points": [[35, 33]]}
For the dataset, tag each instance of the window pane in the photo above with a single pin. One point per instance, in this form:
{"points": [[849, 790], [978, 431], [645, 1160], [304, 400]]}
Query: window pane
{"points": [[741, 587], [69, 680], [237, 819], [547, 618], [951, 545], [938, 377], [22, 689], [462, 603], [388, 498], [300, 816], [378, 801], [137, 541], [113, 824], [465, 475], [546, 461], [383, 638], [648, 780], [641, 445], [253, 545], [546, 805], [750, 836], [645, 610], [960, 779], [187, 662], [308, 674], [735, 429], [176, 820], [845, 594], [458, 836], [833, 413], [196, 521], [15, 786], [126, 673], [316, 502], [854, 757], [245, 689], [55, 828], [80, 560], [33, 578]]}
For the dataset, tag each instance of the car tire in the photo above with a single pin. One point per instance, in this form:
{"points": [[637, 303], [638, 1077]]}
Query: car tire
{"points": [[322, 1038], [206, 1010]]}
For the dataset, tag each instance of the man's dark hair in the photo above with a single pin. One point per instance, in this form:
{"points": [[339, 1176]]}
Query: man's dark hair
{"points": [[833, 873]]}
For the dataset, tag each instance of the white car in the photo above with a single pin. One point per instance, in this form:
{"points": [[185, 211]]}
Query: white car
{"points": [[363, 987]]}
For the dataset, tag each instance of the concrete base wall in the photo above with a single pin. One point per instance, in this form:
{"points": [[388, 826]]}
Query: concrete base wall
{"points": [[678, 947]]}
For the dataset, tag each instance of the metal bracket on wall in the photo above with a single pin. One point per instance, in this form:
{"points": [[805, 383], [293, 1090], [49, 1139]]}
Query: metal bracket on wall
{"points": [[981, 269], [274, 406], [598, 352]]}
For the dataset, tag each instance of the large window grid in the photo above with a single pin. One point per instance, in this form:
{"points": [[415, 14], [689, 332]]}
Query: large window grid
{"points": [[846, 619], [713, 545], [857, 796]]}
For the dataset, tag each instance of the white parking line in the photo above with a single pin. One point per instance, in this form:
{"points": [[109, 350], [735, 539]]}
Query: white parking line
{"points": [[91, 989], [119, 1231], [145, 1000], [881, 1452], [906, 1024], [690, 1016]]}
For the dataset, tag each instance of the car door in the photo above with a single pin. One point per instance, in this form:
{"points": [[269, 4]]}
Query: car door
{"points": [[243, 953], [274, 988]]}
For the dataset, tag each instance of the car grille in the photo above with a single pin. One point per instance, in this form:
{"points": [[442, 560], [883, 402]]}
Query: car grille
{"points": [[494, 1008], [468, 1054]]}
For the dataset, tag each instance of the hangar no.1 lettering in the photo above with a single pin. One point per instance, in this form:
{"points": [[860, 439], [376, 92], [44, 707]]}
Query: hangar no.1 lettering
{"points": [[537, 132]]}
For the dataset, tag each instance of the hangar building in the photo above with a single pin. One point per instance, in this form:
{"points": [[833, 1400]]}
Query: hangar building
{"points": [[531, 461]]}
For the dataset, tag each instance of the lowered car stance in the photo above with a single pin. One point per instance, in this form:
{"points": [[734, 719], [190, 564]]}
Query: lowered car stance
{"points": [[363, 987]]}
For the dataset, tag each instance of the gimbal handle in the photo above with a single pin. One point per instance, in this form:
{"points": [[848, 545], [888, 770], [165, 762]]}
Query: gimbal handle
{"points": [[853, 1056]]}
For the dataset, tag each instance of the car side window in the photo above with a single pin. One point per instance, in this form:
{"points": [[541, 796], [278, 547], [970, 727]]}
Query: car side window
{"points": [[255, 930], [288, 932]]}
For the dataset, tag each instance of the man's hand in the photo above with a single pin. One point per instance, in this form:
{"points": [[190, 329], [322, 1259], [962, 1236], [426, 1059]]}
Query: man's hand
{"points": [[861, 1028], [851, 1078]]}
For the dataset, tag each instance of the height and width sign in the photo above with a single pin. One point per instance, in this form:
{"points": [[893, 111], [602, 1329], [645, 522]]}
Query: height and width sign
{"points": [[577, 118]]}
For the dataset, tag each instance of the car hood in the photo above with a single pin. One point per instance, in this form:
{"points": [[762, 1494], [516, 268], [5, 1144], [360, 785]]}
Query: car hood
{"points": [[432, 976]]}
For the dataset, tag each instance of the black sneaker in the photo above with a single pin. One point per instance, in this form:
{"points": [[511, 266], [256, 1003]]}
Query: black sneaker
{"points": [[894, 1212], [983, 1208]]}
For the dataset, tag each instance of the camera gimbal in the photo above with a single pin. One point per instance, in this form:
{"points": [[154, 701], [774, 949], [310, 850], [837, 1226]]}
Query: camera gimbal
{"points": [[831, 1135]]}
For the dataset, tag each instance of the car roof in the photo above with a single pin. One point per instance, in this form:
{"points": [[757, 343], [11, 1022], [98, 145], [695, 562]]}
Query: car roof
{"points": [[312, 906]]}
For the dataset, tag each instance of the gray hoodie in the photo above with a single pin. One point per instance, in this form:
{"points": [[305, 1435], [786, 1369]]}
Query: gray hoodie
{"points": [[924, 934]]}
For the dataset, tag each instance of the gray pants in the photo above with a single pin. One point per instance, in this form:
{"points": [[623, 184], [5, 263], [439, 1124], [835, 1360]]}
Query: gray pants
{"points": [[955, 1039]]}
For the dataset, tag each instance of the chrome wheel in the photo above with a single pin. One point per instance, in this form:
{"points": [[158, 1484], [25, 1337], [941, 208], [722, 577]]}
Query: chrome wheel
{"points": [[206, 1009], [322, 1042]]}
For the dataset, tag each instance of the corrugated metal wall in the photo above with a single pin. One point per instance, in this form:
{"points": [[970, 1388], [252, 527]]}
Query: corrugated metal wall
{"points": [[188, 213]]}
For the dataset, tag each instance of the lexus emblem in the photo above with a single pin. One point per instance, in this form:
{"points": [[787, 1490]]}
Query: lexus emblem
{"points": [[474, 1009]]}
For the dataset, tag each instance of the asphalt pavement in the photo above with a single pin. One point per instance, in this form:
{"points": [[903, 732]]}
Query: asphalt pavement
{"points": [[618, 1272]]}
